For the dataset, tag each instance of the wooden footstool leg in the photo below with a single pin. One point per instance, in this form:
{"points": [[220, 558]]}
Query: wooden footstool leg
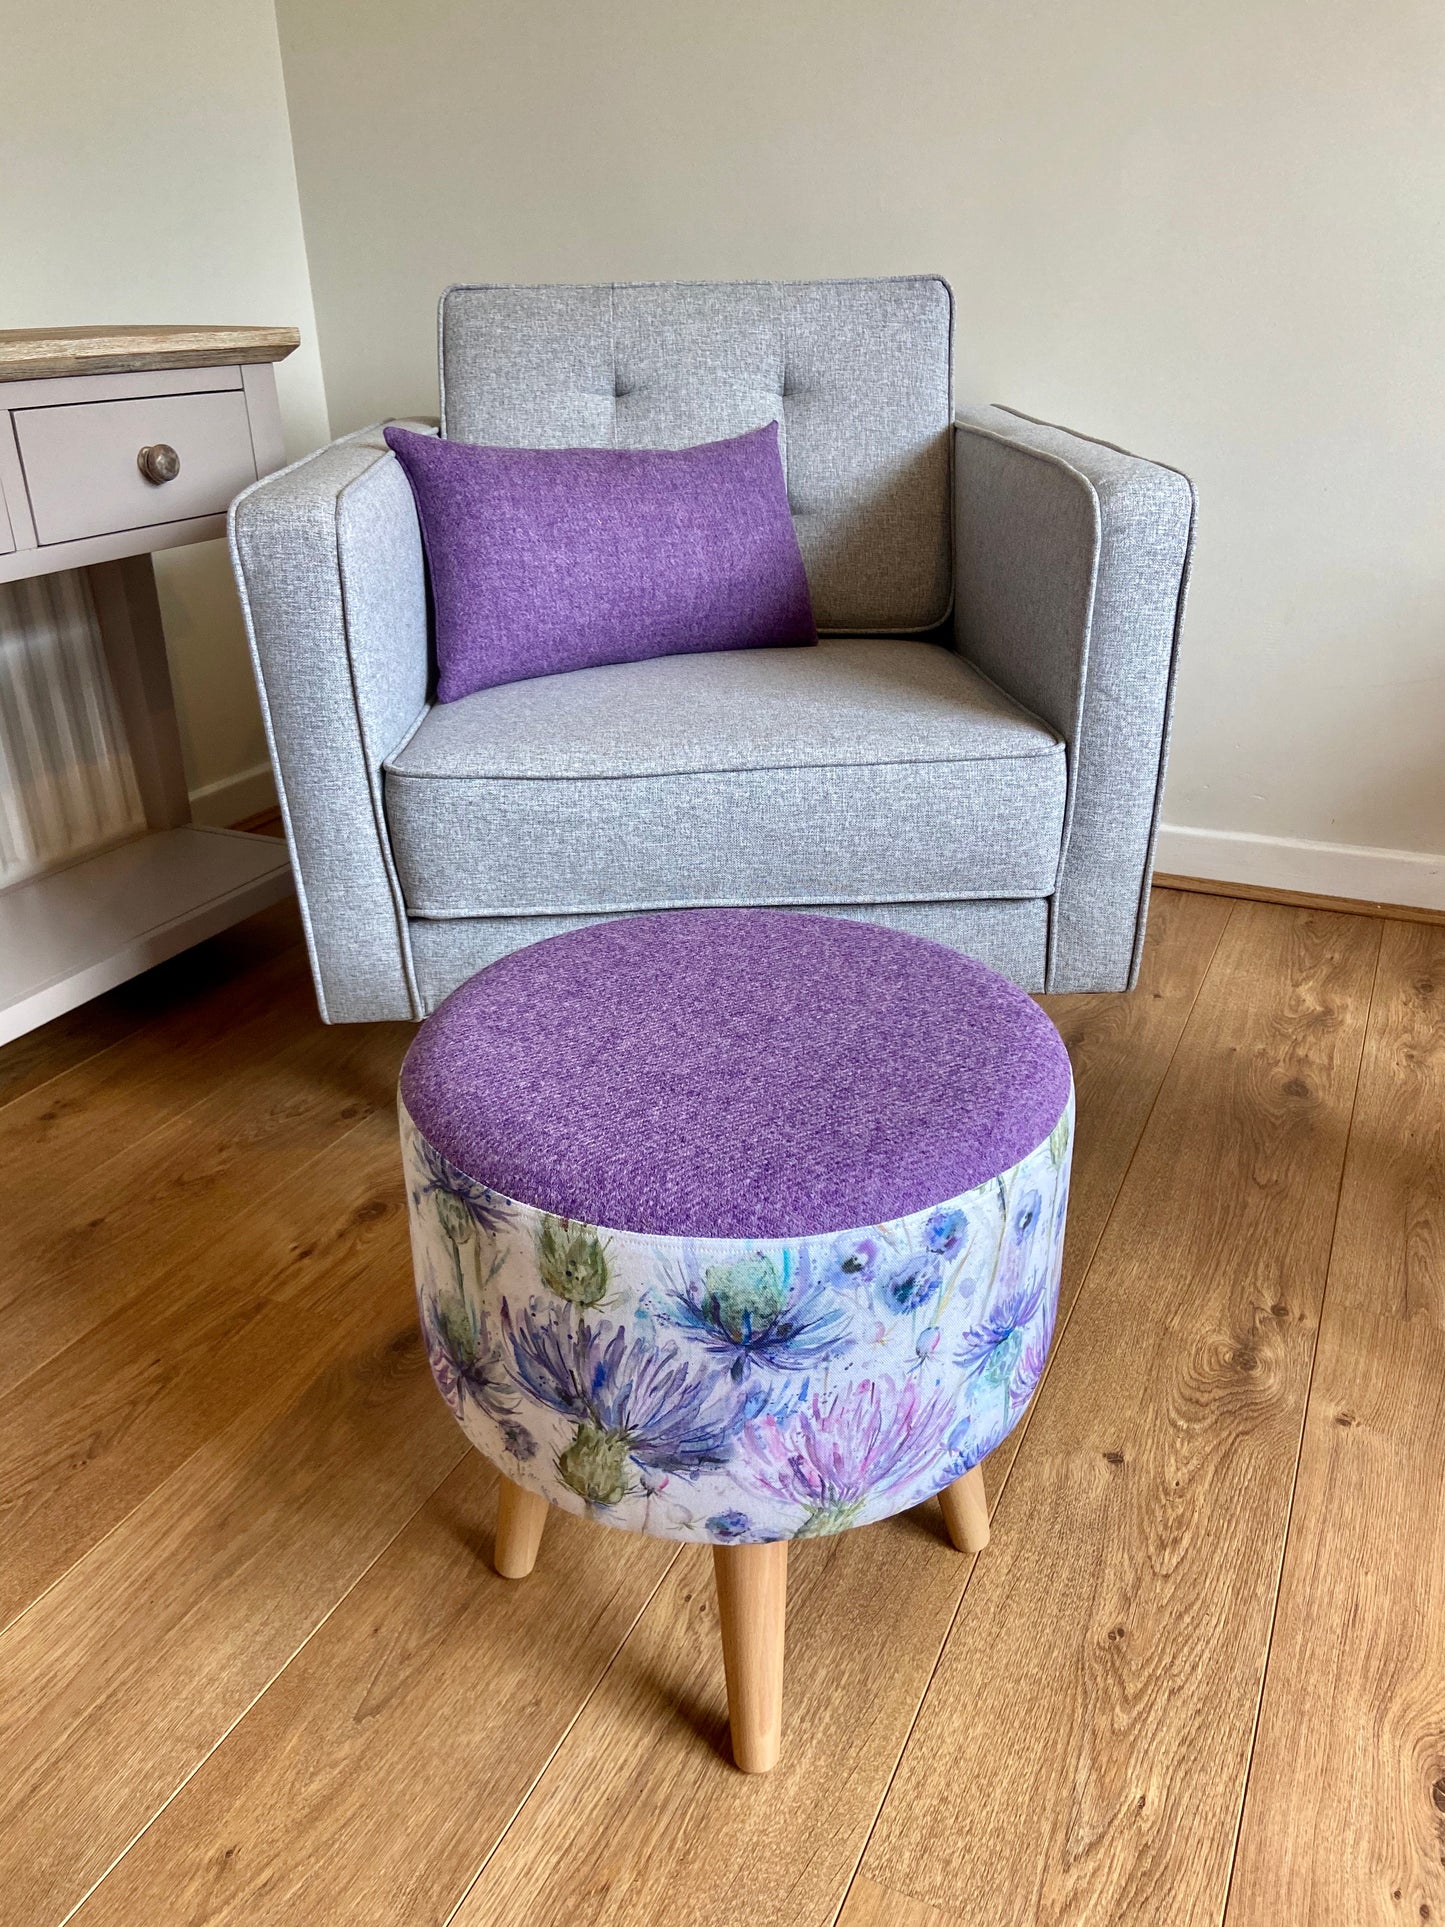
{"points": [[965, 1511], [752, 1600], [521, 1516]]}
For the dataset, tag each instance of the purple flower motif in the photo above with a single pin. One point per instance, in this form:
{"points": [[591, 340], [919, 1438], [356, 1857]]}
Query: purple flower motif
{"points": [[946, 1232], [916, 1278], [634, 1403], [756, 1312], [870, 1439], [462, 1204], [992, 1349], [1032, 1359], [465, 1363]]}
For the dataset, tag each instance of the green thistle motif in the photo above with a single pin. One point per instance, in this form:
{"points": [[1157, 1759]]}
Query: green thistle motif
{"points": [[819, 1521], [594, 1465], [572, 1260], [460, 1228], [459, 1329], [747, 1296], [453, 1216], [999, 1369], [1059, 1140]]}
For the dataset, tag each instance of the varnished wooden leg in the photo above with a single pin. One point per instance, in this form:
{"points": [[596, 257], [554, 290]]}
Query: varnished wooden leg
{"points": [[965, 1511], [752, 1601], [521, 1516]]}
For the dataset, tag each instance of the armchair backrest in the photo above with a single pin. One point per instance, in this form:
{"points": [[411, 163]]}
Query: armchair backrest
{"points": [[858, 374]]}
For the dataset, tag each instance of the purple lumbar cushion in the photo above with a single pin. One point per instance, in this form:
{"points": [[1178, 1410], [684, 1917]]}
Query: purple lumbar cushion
{"points": [[546, 559]]}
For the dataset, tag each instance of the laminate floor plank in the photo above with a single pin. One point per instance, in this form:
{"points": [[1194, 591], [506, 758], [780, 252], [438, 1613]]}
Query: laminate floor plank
{"points": [[869, 1905], [1120, 1048], [372, 1777], [1389, 1253], [99, 1425], [57, 1142], [117, 1683], [149, 1068], [1080, 1754], [267, 1097], [1344, 1816]]}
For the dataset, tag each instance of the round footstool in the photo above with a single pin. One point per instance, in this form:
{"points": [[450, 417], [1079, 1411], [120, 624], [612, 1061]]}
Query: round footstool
{"points": [[739, 1226]]}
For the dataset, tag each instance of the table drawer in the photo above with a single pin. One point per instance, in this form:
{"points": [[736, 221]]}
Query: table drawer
{"points": [[81, 462]]}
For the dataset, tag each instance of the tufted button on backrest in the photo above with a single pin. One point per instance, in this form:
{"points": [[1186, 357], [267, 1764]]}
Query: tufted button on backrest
{"points": [[857, 374]]}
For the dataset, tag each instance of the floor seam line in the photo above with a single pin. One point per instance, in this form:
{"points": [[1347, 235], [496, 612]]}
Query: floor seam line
{"points": [[118, 1525], [1300, 1447], [256, 1699], [562, 1740], [180, 1465], [258, 1199]]}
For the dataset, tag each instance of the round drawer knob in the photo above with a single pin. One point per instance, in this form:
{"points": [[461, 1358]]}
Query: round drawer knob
{"points": [[159, 463]]}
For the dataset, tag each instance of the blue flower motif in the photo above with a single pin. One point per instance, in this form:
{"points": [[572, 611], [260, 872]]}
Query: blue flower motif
{"points": [[946, 1232], [518, 1440], [854, 1264], [729, 1526], [634, 1403], [755, 1312], [976, 1434], [1026, 1215], [913, 1281]]}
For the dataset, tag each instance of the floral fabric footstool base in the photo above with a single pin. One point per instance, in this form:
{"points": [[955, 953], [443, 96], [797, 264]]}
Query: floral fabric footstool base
{"points": [[740, 1226]]}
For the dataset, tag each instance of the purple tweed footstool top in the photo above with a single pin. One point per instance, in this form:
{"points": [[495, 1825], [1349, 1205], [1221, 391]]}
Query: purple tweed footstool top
{"points": [[735, 1074]]}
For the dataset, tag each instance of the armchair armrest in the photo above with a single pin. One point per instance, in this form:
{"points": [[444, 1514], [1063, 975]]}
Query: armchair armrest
{"points": [[1071, 564], [328, 560]]}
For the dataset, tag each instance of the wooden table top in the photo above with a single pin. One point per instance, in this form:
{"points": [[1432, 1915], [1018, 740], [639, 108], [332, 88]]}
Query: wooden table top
{"points": [[29, 353]]}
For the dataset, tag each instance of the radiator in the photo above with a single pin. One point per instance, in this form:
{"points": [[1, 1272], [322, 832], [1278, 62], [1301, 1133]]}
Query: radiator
{"points": [[67, 785]]}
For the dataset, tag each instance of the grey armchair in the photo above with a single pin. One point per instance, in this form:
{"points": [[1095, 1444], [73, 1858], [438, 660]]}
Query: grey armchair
{"points": [[974, 752]]}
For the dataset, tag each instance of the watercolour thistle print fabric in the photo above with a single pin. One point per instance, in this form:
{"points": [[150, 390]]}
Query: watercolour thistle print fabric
{"points": [[738, 1390]]}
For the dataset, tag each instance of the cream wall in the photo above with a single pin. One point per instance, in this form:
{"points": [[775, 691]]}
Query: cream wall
{"points": [[1212, 233], [146, 175]]}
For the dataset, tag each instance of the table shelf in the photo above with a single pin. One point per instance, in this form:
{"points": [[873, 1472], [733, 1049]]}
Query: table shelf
{"points": [[76, 932]]}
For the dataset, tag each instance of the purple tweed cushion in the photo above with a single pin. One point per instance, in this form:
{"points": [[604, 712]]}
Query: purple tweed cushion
{"points": [[735, 1074], [545, 559]]}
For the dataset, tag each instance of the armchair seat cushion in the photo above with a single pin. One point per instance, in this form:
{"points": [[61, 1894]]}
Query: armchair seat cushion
{"points": [[866, 770]]}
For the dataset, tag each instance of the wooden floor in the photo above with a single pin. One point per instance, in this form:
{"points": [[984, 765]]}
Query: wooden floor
{"points": [[255, 1668]]}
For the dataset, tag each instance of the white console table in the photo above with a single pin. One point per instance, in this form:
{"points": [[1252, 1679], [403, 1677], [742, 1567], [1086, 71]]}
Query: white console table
{"points": [[116, 442]]}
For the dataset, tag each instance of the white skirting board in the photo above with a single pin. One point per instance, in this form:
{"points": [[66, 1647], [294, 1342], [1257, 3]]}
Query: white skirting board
{"points": [[1412, 878]]}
